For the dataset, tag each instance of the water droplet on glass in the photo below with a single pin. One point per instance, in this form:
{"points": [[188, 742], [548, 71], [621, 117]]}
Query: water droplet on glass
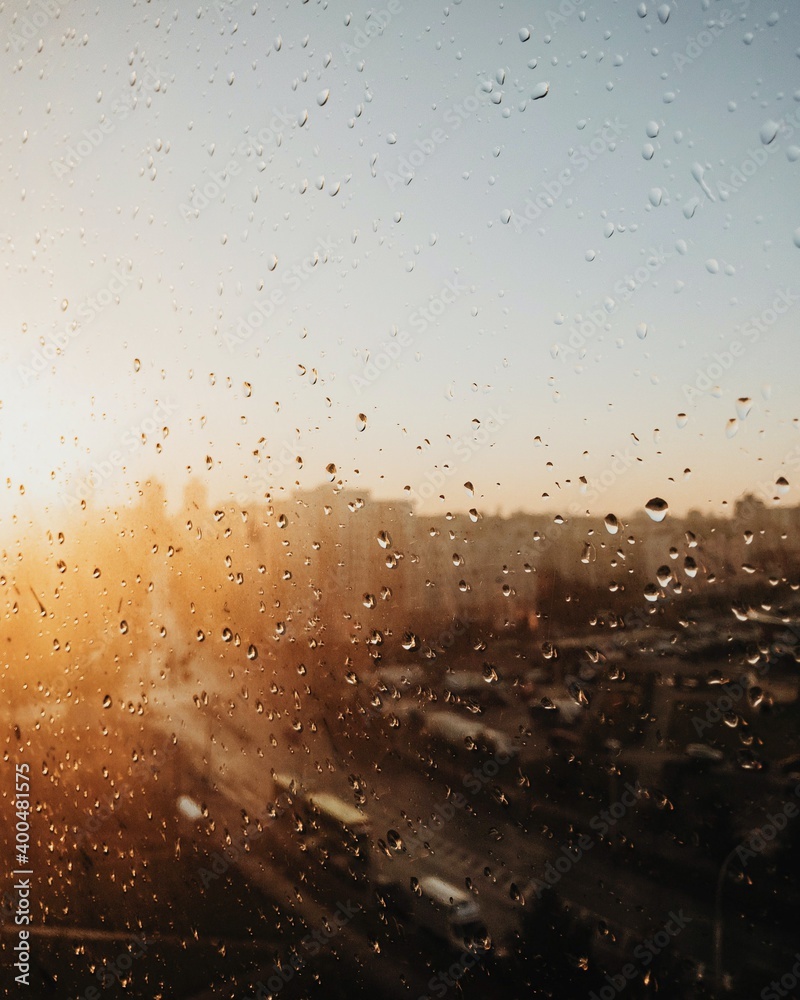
{"points": [[107, 701], [540, 90], [641, 331], [657, 508], [612, 524], [663, 13], [743, 406], [361, 422], [524, 34], [768, 131], [732, 427], [682, 420], [651, 592], [322, 97]]}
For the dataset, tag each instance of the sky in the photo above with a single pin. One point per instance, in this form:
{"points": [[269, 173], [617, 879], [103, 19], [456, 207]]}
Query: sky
{"points": [[539, 259]]}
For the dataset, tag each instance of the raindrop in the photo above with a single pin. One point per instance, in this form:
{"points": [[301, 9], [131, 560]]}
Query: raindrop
{"points": [[524, 34], [663, 13], [107, 701], [252, 652], [681, 420], [123, 627], [743, 406], [657, 508], [322, 97], [540, 90], [768, 131], [641, 331], [732, 427], [651, 592], [361, 422], [612, 524]]}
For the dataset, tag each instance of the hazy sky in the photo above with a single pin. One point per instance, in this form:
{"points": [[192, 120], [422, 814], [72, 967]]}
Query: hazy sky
{"points": [[167, 169]]}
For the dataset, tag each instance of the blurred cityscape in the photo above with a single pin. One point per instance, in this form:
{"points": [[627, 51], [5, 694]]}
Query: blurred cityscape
{"points": [[329, 746]]}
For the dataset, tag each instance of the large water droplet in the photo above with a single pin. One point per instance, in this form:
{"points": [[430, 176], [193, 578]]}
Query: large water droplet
{"points": [[657, 508], [768, 131]]}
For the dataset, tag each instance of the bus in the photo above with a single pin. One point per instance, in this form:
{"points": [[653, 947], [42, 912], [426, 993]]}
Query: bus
{"points": [[328, 825], [442, 909]]}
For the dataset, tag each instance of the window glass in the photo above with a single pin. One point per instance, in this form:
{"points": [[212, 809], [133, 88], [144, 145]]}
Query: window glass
{"points": [[398, 535]]}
